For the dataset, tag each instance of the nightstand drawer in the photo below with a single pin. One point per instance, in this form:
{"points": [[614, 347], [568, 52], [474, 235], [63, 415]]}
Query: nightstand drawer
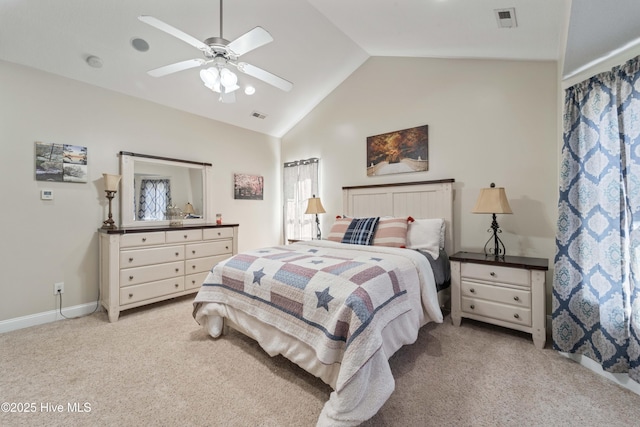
{"points": [[495, 310], [495, 273], [517, 297]]}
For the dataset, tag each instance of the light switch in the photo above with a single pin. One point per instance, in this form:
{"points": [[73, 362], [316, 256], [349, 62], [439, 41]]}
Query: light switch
{"points": [[46, 194]]}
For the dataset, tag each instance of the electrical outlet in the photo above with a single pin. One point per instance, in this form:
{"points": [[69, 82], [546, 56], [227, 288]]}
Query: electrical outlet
{"points": [[58, 288]]}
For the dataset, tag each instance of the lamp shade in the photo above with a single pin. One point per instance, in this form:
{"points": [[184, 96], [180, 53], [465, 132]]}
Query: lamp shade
{"points": [[492, 201], [315, 206], [111, 182], [188, 209]]}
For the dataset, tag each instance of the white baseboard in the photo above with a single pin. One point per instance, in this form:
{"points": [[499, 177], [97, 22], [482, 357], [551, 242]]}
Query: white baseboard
{"points": [[622, 380], [46, 317]]}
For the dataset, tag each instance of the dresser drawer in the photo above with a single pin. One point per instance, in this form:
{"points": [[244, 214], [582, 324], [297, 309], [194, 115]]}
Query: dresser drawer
{"points": [[142, 239], [138, 257], [198, 250], [136, 293], [193, 281], [217, 233], [494, 273], [496, 310], [197, 265], [517, 297], [133, 276], [180, 236]]}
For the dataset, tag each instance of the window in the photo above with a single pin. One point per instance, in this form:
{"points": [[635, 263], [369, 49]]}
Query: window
{"points": [[300, 184], [155, 198]]}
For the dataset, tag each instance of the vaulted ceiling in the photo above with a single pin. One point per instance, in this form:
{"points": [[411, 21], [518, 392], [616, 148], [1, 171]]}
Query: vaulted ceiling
{"points": [[317, 43]]}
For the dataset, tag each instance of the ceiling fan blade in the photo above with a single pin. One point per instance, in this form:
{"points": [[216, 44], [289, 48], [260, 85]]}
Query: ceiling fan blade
{"points": [[250, 40], [265, 76], [178, 66], [154, 22]]}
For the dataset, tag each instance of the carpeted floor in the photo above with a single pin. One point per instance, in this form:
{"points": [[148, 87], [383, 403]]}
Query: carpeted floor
{"points": [[156, 366]]}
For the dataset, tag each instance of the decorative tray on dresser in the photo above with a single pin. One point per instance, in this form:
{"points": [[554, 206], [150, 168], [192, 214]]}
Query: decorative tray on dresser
{"points": [[143, 265], [506, 291]]}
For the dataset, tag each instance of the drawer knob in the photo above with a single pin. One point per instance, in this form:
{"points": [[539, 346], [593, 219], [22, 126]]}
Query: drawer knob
{"points": [[185, 236], [130, 295], [193, 282], [193, 266], [177, 269], [219, 234], [193, 252], [130, 259], [130, 277], [226, 247], [177, 253], [176, 285], [517, 316], [473, 291], [492, 274], [516, 298], [472, 306], [144, 239]]}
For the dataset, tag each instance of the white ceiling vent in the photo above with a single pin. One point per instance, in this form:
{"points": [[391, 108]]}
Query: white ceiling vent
{"points": [[258, 115], [506, 17]]}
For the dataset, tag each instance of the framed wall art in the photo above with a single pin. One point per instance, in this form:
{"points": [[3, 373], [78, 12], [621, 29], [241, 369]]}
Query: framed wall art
{"points": [[248, 187], [60, 162], [400, 151]]}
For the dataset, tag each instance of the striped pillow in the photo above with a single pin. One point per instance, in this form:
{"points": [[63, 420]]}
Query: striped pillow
{"points": [[391, 232], [338, 229], [361, 231]]}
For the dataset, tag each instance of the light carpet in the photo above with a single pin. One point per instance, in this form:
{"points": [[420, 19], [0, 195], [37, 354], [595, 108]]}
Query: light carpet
{"points": [[156, 366]]}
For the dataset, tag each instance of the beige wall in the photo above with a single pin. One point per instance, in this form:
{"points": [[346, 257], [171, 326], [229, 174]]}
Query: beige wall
{"points": [[489, 121], [55, 241]]}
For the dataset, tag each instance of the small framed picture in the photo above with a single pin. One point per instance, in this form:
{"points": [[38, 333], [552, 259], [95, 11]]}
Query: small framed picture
{"points": [[248, 187]]}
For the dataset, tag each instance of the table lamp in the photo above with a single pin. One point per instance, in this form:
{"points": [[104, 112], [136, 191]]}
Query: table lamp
{"points": [[315, 207], [493, 201]]}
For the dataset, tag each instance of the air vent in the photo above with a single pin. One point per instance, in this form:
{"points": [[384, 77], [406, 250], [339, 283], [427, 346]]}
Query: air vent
{"points": [[258, 115], [506, 17]]}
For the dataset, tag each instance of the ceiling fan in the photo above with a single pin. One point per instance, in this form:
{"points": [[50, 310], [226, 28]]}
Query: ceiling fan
{"points": [[220, 53]]}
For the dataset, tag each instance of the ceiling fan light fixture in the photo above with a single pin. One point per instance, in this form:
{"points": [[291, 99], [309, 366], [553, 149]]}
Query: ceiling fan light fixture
{"points": [[209, 77], [229, 80]]}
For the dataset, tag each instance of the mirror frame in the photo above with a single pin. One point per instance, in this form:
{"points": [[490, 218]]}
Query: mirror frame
{"points": [[127, 170]]}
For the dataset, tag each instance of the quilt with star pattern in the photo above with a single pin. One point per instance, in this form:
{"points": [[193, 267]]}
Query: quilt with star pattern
{"points": [[336, 298]]}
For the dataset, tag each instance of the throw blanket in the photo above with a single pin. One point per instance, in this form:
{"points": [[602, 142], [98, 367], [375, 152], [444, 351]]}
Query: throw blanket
{"points": [[336, 298]]}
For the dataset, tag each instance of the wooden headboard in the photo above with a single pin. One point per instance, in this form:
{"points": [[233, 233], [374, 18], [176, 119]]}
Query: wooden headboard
{"points": [[424, 199]]}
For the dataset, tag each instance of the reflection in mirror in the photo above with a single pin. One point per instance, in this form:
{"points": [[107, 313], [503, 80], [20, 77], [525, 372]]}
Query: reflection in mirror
{"points": [[153, 186]]}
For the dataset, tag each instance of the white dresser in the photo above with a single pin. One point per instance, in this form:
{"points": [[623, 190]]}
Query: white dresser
{"points": [[139, 266], [507, 291]]}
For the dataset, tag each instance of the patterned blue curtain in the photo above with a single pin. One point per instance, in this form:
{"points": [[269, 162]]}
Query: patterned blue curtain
{"points": [[596, 293], [155, 198]]}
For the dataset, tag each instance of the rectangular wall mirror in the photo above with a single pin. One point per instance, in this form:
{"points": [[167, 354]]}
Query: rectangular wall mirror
{"points": [[151, 185]]}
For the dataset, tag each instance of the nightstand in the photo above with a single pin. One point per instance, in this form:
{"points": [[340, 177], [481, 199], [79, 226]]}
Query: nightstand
{"points": [[289, 241], [508, 292]]}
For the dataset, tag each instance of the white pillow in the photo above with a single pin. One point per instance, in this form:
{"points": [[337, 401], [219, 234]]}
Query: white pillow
{"points": [[427, 235]]}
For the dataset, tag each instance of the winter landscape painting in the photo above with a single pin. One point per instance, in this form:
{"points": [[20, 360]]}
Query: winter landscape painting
{"points": [[249, 187]]}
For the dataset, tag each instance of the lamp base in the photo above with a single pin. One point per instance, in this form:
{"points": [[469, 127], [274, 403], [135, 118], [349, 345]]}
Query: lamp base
{"points": [[318, 228], [106, 225], [498, 250], [109, 223]]}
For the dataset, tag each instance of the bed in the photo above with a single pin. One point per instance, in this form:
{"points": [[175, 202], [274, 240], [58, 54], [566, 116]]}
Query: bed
{"points": [[341, 306]]}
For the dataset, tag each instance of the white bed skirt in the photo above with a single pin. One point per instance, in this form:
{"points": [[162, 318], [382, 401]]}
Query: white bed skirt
{"points": [[362, 396]]}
